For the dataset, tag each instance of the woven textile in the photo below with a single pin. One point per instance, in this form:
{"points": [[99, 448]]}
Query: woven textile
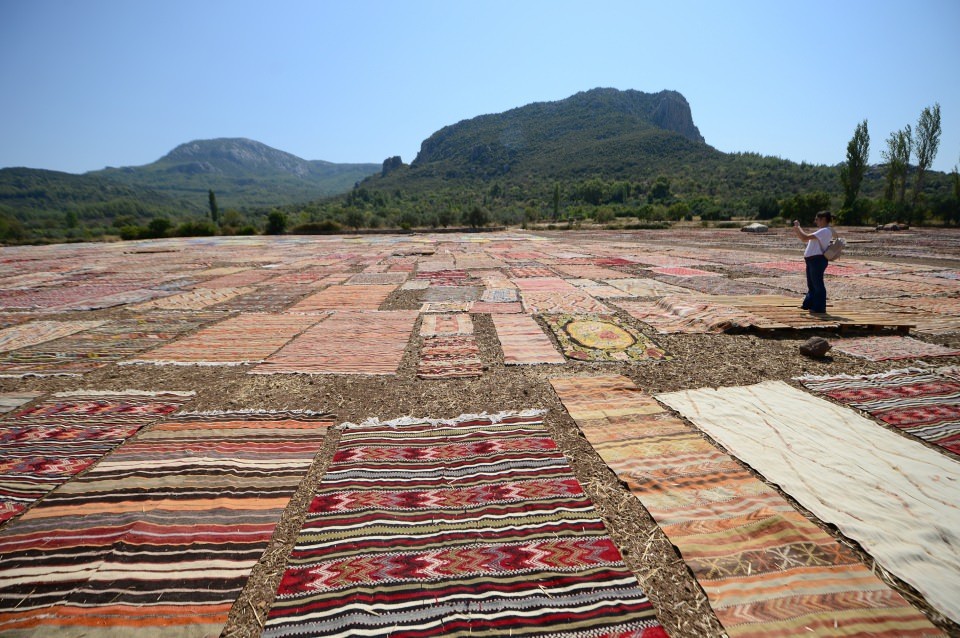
{"points": [[246, 338], [896, 497], [493, 308], [340, 297], [44, 445], [722, 285], [34, 332], [270, 298], [194, 300], [685, 272], [237, 279], [449, 357], [599, 290], [592, 272], [12, 400], [544, 284], [886, 348], [472, 526], [450, 293], [521, 272], [499, 295], [688, 314], [601, 338], [376, 278], [570, 301], [159, 538], [924, 403], [766, 569], [523, 341], [646, 288], [348, 342], [82, 352], [440, 325]]}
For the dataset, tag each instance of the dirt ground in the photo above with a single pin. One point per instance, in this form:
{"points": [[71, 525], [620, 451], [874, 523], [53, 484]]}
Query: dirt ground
{"points": [[698, 361]]}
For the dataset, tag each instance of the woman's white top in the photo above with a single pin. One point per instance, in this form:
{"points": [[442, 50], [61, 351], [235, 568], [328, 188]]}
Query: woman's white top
{"points": [[818, 245]]}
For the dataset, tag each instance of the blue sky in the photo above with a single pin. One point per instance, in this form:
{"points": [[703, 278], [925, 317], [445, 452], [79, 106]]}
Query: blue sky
{"points": [[91, 83]]}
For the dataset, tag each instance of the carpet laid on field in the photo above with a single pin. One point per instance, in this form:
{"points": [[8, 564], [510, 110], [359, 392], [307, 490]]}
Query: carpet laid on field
{"points": [[687, 314], [113, 341], [44, 445], [887, 348], [924, 403], [765, 568], [194, 299], [246, 338], [272, 298], [574, 300], [471, 526], [646, 288], [444, 325], [12, 400], [30, 334], [896, 497], [341, 297], [159, 538], [601, 338], [449, 357], [523, 341], [348, 342]]}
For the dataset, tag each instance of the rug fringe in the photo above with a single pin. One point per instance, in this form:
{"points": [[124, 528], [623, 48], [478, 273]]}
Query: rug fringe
{"points": [[136, 393], [411, 420], [252, 411], [877, 375], [188, 363]]}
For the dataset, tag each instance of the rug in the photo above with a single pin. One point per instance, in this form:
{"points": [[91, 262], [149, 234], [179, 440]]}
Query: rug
{"points": [[523, 341], [446, 325], [684, 272], [348, 342], [341, 297], [272, 298], [543, 284], [470, 526], [30, 334], [113, 341], [592, 272], [601, 338], [449, 357], [44, 445], [598, 290], [12, 400], [436, 294], [376, 278], [523, 272], [493, 308], [574, 300], [720, 285], [499, 295], [886, 348], [246, 338], [765, 568], [688, 314], [646, 288], [895, 497], [250, 277], [193, 300], [924, 403], [159, 538]]}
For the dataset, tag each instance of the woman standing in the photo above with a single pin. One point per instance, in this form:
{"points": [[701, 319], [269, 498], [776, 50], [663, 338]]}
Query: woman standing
{"points": [[817, 241]]}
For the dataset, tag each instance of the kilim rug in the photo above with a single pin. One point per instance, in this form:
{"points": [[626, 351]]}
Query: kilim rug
{"points": [[446, 325], [688, 314], [243, 278], [837, 288], [521, 272], [499, 295], [574, 300], [451, 293], [160, 537], [340, 297], [376, 278], [348, 342], [685, 272], [12, 400], [592, 272], [647, 288], [82, 352], [194, 300], [720, 285], [765, 568], [265, 299], [523, 341], [137, 295], [924, 403], [446, 306], [415, 284], [543, 284], [895, 497], [495, 308], [471, 526], [246, 338], [44, 445], [601, 338], [598, 290], [448, 357], [886, 348], [34, 332]]}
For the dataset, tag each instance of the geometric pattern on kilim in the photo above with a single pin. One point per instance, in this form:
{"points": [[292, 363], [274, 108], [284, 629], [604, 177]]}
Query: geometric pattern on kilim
{"points": [[765, 568], [452, 527]]}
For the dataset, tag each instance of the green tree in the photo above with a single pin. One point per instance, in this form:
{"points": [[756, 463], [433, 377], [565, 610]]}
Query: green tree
{"points": [[276, 223], [71, 219], [556, 201], [214, 210], [928, 141], [478, 217], [660, 191], [851, 173], [159, 226], [897, 156], [355, 218]]}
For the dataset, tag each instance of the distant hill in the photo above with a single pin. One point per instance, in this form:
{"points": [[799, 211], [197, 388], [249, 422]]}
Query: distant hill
{"points": [[243, 174]]}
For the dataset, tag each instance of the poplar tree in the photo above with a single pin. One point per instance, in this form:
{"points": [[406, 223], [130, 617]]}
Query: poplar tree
{"points": [[897, 156], [928, 141], [851, 174], [214, 210]]}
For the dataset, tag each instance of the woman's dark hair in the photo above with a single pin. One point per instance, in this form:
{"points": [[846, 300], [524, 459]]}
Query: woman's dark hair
{"points": [[825, 213]]}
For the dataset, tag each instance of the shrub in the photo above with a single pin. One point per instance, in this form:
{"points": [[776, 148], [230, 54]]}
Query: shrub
{"points": [[195, 229], [323, 227]]}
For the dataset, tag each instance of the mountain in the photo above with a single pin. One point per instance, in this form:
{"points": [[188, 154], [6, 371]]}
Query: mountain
{"points": [[243, 173]]}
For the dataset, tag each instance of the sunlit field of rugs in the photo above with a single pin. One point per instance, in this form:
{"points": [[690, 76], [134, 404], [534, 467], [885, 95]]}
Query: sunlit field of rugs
{"points": [[129, 511]]}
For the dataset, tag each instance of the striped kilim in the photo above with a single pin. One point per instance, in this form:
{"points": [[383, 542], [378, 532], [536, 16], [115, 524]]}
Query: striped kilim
{"points": [[601, 338], [448, 357], [544, 284], [159, 538], [495, 308], [272, 298], [765, 568], [35, 332], [246, 338], [886, 348], [687, 314], [442, 325], [896, 497], [522, 272], [82, 352], [12, 400], [340, 297], [194, 299], [474, 526], [523, 341], [924, 403], [235, 280], [575, 300], [685, 272], [499, 295], [348, 342], [592, 272], [44, 445], [376, 278], [451, 293], [646, 288], [598, 290]]}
